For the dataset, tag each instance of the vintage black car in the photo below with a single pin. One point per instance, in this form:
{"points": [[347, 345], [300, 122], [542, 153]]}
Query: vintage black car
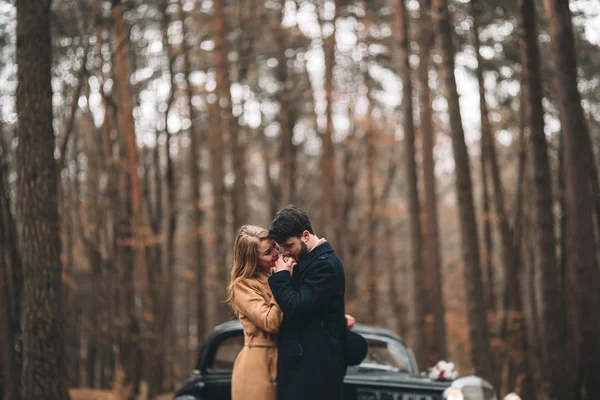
{"points": [[388, 372]]}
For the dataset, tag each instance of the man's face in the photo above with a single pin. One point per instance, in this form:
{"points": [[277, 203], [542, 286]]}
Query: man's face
{"points": [[293, 247]]}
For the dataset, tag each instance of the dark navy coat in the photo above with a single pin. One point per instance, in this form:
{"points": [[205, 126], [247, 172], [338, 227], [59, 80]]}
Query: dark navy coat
{"points": [[312, 338]]}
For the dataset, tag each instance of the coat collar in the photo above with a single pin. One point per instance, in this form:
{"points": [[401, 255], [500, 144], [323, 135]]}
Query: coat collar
{"points": [[312, 255], [262, 276]]}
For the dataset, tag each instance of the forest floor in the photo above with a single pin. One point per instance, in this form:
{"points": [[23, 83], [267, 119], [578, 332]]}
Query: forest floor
{"points": [[95, 394]]}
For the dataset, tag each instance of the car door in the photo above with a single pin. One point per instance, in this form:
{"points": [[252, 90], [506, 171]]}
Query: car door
{"points": [[219, 366]]}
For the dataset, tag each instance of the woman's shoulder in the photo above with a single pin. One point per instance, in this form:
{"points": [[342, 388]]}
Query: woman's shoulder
{"points": [[251, 282]]}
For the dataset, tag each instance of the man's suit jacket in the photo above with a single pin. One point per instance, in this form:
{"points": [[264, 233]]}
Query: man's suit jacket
{"points": [[312, 338]]}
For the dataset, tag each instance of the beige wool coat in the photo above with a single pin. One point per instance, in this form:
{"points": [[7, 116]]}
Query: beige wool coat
{"points": [[255, 369]]}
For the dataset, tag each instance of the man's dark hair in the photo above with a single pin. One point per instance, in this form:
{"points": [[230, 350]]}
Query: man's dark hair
{"points": [[290, 221]]}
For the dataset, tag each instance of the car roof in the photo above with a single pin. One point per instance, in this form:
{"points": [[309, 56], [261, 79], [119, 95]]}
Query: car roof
{"points": [[235, 325]]}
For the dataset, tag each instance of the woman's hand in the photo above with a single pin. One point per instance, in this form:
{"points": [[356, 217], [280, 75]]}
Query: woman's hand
{"points": [[285, 264], [350, 321]]}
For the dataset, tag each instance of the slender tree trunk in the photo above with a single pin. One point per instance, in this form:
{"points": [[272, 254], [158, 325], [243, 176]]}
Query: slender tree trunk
{"points": [[512, 307], [70, 298], [217, 150], [106, 139], [286, 121], [489, 147], [522, 179], [392, 269], [110, 213], [430, 215], [350, 179], [419, 343], [140, 227], [273, 191], [10, 264], [530, 381], [547, 279], [571, 318], [7, 360], [531, 310], [125, 97], [470, 243], [129, 346], [37, 210], [194, 163], [583, 272], [229, 123], [166, 322], [488, 255], [328, 196], [487, 164], [95, 315], [371, 217], [488, 258]]}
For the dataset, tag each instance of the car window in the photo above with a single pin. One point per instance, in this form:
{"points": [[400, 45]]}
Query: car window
{"points": [[387, 353], [226, 354]]}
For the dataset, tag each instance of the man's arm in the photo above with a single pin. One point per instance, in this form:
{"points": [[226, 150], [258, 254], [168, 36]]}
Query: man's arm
{"points": [[312, 294]]}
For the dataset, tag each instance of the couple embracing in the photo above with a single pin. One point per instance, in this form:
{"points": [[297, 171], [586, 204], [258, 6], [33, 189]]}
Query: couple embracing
{"points": [[297, 337]]}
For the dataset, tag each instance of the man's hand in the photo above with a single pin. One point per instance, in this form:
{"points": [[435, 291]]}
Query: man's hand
{"points": [[350, 321], [284, 264]]}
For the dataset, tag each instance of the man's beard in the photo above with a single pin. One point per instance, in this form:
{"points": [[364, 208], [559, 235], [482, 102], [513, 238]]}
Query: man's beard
{"points": [[303, 250]]}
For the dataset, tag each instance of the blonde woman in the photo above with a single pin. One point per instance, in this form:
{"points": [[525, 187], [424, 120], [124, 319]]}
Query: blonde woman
{"points": [[255, 369]]}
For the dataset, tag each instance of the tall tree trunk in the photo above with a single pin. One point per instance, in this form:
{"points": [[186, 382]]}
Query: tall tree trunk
{"points": [[522, 179], [217, 150], [229, 123], [7, 345], [129, 361], [106, 139], [217, 175], [139, 223], [13, 279], [97, 317], [512, 305], [393, 261], [110, 213], [273, 191], [488, 255], [571, 331], [371, 217], [470, 243], [488, 258], [487, 165], [350, 179], [419, 342], [520, 253], [583, 272], [547, 279], [432, 259], [286, 121], [166, 324], [194, 163], [328, 196], [70, 297], [489, 147], [37, 210]]}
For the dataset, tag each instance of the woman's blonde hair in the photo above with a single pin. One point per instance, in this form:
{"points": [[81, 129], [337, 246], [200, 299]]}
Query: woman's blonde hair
{"points": [[245, 257]]}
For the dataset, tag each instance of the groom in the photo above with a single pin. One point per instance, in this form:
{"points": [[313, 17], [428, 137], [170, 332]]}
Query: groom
{"points": [[312, 338]]}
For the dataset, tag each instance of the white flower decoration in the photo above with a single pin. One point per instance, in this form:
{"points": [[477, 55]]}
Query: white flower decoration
{"points": [[443, 371]]}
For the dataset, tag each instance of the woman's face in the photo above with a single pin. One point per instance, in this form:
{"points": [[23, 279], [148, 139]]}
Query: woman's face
{"points": [[267, 254]]}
